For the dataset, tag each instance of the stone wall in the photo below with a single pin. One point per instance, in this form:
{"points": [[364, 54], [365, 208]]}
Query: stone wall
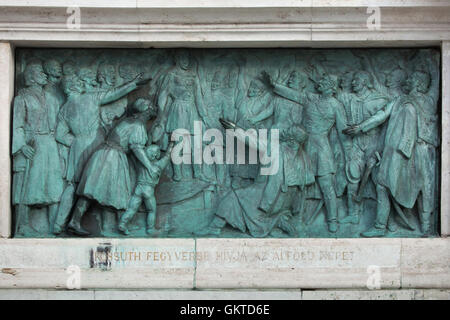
{"points": [[410, 266]]}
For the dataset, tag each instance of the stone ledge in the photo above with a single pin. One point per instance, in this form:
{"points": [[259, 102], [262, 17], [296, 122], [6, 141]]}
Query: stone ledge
{"points": [[411, 294], [103, 263], [226, 263], [195, 23], [221, 3], [297, 263], [42, 294], [131, 278], [425, 263]]}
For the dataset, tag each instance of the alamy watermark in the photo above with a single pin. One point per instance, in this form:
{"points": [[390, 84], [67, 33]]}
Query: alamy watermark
{"points": [[73, 281], [374, 19], [209, 147], [74, 17], [374, 279]]}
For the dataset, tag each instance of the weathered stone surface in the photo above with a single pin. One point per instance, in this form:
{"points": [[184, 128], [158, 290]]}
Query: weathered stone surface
{"points": [[133, 278], [6, 96], [433, 294], [42, 294], [445, 171], [358, 295], [227, 263], [312, 263], [230, 24], [201, 295], [425, 263], [401, 294], [102, 264]]}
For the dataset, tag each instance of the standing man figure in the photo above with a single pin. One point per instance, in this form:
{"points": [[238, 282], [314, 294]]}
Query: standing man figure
{"points": [[320, 113], [54, 72], [37, 169], [362, 105], [424, 94], [407, 164], [79, 128]]}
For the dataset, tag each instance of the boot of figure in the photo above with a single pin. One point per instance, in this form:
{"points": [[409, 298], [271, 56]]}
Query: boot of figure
{"points": [[65, 205], [151, 221], [75, 223], [374, 232], [425, 224], [354, 208]]}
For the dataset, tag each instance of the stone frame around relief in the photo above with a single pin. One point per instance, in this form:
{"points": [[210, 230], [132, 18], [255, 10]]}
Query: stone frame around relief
{"points": [[412, 263], [221, 263]]}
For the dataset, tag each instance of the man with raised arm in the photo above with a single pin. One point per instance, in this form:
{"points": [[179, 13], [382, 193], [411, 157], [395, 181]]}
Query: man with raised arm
{"points": [[407, 164], [321, 112], [79, 128]]}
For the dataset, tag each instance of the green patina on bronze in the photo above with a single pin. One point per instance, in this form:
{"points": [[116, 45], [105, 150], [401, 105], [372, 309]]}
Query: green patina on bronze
{"points": [[358, 142]]}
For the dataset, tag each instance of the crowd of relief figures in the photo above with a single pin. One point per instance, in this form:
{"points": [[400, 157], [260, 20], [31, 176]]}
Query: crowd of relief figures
{"points": [[93, 134]]}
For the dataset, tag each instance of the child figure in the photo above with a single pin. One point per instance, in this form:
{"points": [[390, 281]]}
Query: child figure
{"points": [[145, 189]]}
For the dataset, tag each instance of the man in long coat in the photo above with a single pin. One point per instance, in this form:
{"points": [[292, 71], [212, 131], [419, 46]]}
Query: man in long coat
{"points": [[37, 170], [396, 178]]}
